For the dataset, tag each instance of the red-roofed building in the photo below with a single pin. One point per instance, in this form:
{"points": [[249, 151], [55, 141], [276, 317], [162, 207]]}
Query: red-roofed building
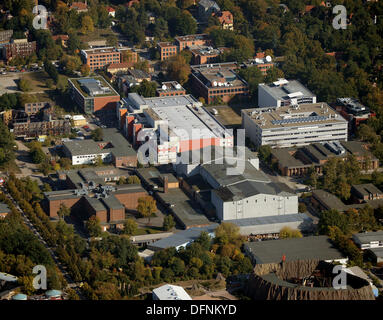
{"points": [[111, 12], [79, 6], [130, 3], [225, 19], [63, 37]]}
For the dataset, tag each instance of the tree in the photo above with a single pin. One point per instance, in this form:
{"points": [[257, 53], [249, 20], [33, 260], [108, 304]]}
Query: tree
{"points": [[287, 232], [169, 223], [112, 40], [302, 207], [228, 232], [87, 25], [177, 69], [145, 88], [85, 70], [97, 134], [146, 207], [134, 180], [93, 226], [130, 226], [24, 85], [63, 212], [264, 153]]}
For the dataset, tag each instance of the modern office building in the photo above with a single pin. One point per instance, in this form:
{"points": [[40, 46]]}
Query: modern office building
{"points": [[100, 57], [296, 125], [93, 94], [218, 81], [284, 93]]}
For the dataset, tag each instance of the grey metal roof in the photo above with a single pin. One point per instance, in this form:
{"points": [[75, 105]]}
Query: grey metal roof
{"points": [[95, 203], [112, 202], [82, 147], [247, 189], [306, 248], [378, 252], [367, 237], [220, 173], [121, 146], [281, 92], [284, 218], [366, 189], [183, 237]]}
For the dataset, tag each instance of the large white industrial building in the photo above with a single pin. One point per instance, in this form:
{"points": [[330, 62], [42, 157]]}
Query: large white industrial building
{"points": [[173, 124], [294, 125]]}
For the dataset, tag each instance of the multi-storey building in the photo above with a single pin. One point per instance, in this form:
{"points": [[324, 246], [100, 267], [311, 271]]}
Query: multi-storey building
{"points": [[225, 19], [100, 57], [205, 54], [18, 48], [5, 35], [35, 107], [93, 94], [353, 111], [294, 125], [170, 89], [284, 93], [170, 49], [219, 81], [263, 64]]}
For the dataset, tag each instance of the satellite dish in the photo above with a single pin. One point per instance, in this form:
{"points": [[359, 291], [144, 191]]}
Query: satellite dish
{"points": [[257, 60], [268, 59], [178, 86], [164, 87], [214, 83]]}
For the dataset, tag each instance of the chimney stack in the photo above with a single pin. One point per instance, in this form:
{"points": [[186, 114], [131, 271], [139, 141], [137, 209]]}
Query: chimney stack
{"points": [[166, 183]]}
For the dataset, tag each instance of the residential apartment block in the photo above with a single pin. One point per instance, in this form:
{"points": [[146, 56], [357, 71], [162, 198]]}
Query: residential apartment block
{"points": [[284, 93], [294, 125], [18, 48], [218, 81]]}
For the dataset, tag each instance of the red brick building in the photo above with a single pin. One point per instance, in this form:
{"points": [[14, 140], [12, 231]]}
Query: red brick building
{"points": [[18, 48], [218, 81]]}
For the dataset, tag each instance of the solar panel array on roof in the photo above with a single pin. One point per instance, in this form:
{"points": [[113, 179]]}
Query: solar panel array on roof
{"points": [[297, 120]]}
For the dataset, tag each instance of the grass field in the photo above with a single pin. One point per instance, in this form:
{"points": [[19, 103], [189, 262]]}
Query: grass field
{"points": [[38, 80], [97, 34]]}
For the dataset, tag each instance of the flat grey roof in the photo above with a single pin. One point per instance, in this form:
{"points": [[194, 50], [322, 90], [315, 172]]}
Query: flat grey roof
{"points": [[367, 237], [285, 158], [183, 237], [121, 146], [306, 248], [80, 147], [185, 209]]}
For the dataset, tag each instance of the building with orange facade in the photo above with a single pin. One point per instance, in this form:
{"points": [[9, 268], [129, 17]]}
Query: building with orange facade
{"points": [[93, 94], [100, 57]]}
